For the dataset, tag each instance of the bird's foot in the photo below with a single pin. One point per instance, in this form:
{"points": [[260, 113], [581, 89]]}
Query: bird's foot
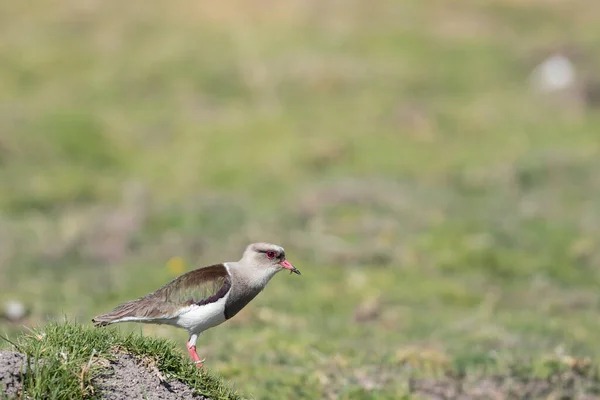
{"points": [[195, 358]]}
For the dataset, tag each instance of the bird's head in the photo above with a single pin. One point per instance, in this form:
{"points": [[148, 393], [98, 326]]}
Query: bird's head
{"points": [[267, 257]]}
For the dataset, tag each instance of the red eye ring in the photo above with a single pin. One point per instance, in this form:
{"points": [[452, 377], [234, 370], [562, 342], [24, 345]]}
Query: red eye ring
{"points": [[270, 254]]}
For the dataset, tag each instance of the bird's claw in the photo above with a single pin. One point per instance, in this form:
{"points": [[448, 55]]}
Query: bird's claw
{"points": [[199, 364]]}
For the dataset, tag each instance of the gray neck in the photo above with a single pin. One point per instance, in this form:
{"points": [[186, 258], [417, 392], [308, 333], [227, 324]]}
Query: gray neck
{"points": [[246, 283]]}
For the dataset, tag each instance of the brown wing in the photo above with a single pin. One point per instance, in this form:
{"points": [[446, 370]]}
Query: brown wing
{"points": [[201, 286]]}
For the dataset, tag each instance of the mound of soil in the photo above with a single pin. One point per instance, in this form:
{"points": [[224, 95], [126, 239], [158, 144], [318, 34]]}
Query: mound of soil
{"points": [[126, 377]]}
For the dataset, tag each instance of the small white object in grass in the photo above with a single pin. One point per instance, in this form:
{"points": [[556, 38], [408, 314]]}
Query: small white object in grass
{"points": [[555, 73], [14, 310]]}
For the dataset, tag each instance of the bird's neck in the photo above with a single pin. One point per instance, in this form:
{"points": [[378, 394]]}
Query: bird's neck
{"points": [[251, 275]]}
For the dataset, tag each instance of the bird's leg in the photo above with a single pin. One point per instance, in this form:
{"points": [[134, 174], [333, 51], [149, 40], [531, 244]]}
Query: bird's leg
{"points": [[191, 346]]}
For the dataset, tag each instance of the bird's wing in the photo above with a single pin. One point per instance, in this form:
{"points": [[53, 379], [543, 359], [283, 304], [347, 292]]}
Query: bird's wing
{"points": [[199, 287]]}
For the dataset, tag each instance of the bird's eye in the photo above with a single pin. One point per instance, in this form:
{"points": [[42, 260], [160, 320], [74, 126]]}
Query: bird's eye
{"points": [[270, 254]]}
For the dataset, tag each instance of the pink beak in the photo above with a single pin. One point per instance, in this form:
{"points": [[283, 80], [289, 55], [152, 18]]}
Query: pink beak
{"points": [[287, 265]]}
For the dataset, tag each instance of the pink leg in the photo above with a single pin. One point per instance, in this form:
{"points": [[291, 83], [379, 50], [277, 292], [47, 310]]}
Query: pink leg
{"points": [[194, 355], [191, 346]]}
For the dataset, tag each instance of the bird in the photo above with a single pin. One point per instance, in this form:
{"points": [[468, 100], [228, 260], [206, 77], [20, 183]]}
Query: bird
{"points": [[205, 297]]}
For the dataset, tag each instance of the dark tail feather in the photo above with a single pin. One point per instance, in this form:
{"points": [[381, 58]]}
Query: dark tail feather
{"points": [[99, 323], [105, 319]]}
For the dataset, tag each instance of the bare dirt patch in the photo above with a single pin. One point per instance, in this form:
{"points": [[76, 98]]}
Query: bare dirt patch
{"points": [[12, 367], [128, 378]]}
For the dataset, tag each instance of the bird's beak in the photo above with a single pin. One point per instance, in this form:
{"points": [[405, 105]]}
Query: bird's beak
{"points": [[286, 264]]}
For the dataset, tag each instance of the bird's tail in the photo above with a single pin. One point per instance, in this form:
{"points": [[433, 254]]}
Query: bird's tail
{"points": [[115, 316], [101, 320]]}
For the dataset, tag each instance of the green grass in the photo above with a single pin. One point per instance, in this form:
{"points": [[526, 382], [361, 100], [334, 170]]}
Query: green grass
{"points": [[65, 357], [396, 151]]}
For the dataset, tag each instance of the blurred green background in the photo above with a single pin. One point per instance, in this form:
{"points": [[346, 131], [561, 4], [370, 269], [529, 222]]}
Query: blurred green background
{"points": [[440, 199]]}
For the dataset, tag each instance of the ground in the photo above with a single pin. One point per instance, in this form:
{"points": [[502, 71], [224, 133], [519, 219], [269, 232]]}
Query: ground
{"points": [[442, 212], [70, 361], [126, 378]]}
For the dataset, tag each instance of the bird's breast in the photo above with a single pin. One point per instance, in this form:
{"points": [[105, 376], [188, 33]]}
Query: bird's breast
{"points": [[238, 299]]}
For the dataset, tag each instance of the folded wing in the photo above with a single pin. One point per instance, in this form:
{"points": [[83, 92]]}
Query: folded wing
{"points": [[199, 287]]}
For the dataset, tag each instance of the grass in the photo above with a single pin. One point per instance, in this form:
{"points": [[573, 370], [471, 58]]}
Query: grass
{"points": [[438, 208], [64, 358]]}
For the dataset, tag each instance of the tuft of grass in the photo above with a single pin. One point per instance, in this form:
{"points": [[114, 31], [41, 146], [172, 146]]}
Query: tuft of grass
{"points": [[64, 358]]}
